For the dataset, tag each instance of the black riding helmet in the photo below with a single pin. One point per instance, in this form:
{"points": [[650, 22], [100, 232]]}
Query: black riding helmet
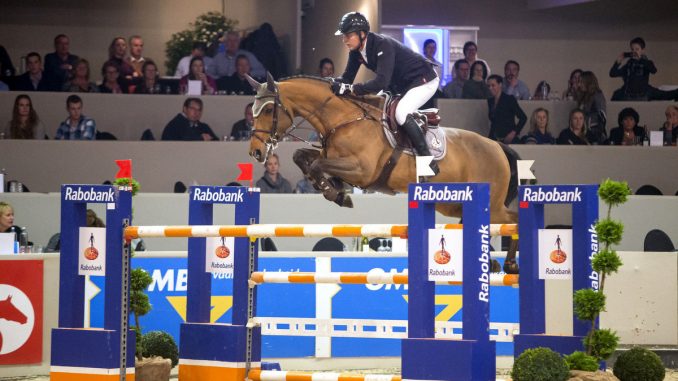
{"points": [[352, 22]]}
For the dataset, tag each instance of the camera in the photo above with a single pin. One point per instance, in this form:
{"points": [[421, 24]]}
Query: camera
{"points": [[628, 54]]}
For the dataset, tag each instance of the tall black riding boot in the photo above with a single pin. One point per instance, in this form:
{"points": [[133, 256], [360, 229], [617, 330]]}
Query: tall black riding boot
{"points": [[412, 127]]}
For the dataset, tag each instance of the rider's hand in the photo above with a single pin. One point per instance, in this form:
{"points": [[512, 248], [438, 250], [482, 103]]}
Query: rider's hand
{"points": [[341, 88]]}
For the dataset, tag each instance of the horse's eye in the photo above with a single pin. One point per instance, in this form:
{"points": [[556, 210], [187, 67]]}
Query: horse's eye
{"points": [[268, 110]]}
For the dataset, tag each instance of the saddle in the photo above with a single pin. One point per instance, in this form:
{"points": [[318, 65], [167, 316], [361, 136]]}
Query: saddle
{"points": [[388, 104]]}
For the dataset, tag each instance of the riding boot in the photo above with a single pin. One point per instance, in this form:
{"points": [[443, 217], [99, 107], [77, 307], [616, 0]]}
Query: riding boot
{"points": [[412, 127]]}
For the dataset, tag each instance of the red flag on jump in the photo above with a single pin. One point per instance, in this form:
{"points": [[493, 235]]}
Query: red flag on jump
{"points": [[245, 172], [125, 169]]}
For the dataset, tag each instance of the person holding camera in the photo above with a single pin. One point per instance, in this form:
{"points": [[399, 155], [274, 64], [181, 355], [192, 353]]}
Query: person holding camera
{"points": [[636, 75]]}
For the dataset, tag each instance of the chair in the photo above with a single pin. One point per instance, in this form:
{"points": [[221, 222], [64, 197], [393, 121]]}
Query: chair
{"points": [[658, 240], [267, 244], [329, 244], [103, 135], [649, 190]]}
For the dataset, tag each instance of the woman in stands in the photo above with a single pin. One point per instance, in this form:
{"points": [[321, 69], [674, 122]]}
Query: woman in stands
{"points": [[572, 85], [149, 80], [112, 83], [25, 123], [575, 134], [197, 73], [7, 219], [628, 133], [591, 101], [80, 82], [670, 127], [539, 128], [475, 87]]}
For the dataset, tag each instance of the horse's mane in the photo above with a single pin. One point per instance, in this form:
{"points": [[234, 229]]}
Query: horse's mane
{"points": [[372, 101], [303, 76]]}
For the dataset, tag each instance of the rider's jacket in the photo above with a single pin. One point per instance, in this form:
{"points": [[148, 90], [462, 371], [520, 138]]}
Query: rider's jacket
{"points": [[398, 68]]}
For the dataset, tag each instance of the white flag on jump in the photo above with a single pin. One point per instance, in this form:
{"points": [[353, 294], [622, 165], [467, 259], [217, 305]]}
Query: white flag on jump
{"points": [[424, 166]]}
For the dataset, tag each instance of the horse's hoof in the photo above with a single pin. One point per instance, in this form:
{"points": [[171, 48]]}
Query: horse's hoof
{"points": [[495, 267], [344, 200], [511, 267]]}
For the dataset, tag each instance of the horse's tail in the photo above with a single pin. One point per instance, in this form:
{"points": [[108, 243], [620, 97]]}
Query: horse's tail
{"points": [[512, 157]]}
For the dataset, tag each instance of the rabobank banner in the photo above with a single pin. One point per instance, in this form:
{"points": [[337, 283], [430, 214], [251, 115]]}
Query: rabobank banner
{"points": [[443, 193], [88, 193], [218, 195], [167, 295], [561, 194]]}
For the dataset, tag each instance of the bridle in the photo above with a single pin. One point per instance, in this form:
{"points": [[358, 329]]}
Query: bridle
{"points": [[271, 143]]}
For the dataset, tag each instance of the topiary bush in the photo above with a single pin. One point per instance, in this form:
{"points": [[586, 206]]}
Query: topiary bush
{"points": [[159, 343], [581, 361], [639, 364], [540, 364]]}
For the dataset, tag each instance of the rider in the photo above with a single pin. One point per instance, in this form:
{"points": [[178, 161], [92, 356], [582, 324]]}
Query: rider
{"points": [[413, 76]]}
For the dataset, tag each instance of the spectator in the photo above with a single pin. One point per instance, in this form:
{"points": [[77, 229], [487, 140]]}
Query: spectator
{"points": [[575, 134], [570, 93], [539, 128], [7, 219], [184, 65], [670, 127], [226, 62], [512, 85], [197, 73], [263, 43], [77, 126], [636, 75], [430, 48], [272, 181], [542, 92], [455, 89], [136, 59], [34, 78], [242, 129], [112, 83], [628, 133], [3, 85], [187, 125], [149, 80], [59, 65], [475, 87], [326, 68], [117, 51], [6, 64], [592, 102], [503, 111], [305, 186], [471, 55], [25, 123], [80, 82], [237, 83]]}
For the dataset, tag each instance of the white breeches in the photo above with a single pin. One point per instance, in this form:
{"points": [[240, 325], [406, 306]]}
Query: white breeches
{"points": [[414, 99]]}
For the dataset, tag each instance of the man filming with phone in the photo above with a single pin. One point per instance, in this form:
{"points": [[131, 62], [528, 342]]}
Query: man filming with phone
{"points": [[636, 75]]}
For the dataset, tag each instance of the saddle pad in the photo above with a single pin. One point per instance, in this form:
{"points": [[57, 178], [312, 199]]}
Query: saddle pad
{"points": [[435, 139]]}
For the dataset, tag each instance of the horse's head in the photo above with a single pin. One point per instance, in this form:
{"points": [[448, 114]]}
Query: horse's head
{"points": [[10, 313], [271, 118]]}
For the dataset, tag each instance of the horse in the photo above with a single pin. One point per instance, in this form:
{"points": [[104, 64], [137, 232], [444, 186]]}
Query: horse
{"points": [[9, 312], [354, 148]]}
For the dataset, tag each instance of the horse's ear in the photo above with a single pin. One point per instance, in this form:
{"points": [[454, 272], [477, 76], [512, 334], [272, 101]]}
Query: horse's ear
{"points": [[270, 83], [255, 85]]}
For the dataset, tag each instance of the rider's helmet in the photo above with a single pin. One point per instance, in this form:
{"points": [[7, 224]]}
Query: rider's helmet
{"points": [[352, 22]]}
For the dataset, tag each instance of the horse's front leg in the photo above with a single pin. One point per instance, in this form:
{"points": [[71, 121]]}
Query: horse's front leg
{"points": [[307, 160]]}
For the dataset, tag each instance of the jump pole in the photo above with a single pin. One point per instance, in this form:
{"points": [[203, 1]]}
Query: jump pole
{"points": [[80, 353], [532, 198]]}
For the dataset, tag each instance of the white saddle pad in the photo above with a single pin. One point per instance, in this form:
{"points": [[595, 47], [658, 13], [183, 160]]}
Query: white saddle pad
{"points": [[435, 139]]}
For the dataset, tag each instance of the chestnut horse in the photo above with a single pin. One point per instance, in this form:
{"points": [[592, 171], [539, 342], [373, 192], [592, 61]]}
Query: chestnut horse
{"points": [[354, 148]]}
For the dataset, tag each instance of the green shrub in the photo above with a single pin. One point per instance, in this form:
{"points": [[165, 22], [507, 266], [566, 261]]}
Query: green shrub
{"points": [[639, 364], [588, 303], [602, 343], [581, 361], [159, 343], [540, 364]]}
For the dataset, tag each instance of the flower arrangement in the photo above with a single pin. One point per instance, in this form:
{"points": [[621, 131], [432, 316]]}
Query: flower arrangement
{"points": [[207, 28]]}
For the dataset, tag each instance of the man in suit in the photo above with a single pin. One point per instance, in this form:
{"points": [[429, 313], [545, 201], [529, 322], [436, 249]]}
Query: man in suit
{"points": [[242, 129], [187, 125], [33, 79], [398, 69]]}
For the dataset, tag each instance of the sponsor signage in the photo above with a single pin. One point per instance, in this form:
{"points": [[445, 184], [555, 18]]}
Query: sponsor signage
{"points": [[223, 195], [555, 254], [552, 194], [21, 288], [219, 255], [88, 193], [444, 193], [92, 251], [445, 259]]}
